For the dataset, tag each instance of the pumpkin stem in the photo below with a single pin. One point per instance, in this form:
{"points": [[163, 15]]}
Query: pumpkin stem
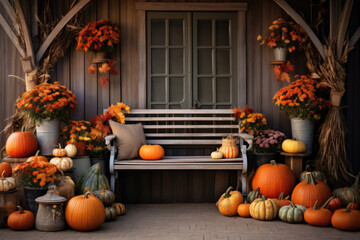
{"points": [[37, 153], [273, 162], [59, 145], [21, 209], [2, 175], [327, 202], [292, 204], [22, 128], [227, 193], [263, 197], [310, 178], [257, 189], [307, 168], [281, 196], [316, 207], [86, 195], [348, 207]]}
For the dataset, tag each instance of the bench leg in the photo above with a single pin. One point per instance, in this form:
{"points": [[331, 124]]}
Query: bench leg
{"points": [[113, 178]]}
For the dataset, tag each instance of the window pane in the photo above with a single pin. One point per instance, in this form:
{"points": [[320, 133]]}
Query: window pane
{"points": [[204, 61], [157, 32], [175, 32], [204, 33], [157, 60], [205, 90], [176, 87], [222, 33], [176, 60], [223, 90], [158, 89], [222, 61]]}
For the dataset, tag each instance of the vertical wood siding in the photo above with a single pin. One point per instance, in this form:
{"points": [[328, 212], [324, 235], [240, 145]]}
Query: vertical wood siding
{"points": [[158, 186]]}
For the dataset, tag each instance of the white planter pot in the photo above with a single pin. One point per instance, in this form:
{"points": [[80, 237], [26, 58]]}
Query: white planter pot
{"points": [[47, 134]]}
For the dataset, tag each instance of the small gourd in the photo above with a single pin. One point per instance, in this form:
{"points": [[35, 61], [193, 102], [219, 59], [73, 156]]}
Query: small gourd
{"points": [[110, 214], [229, 202], [6, 183], [291, 213], [71, 150], [63, 163], [264, 209], [107, 197], [119, 207], [217, 155], [253, 195], [229, 148], [65, 186], [293, 146], [348, 194], [244, 210], [59, 152]]}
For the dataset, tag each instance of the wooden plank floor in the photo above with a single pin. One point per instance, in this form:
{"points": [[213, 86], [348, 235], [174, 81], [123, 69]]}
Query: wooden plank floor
{"points": [[187, 221]]}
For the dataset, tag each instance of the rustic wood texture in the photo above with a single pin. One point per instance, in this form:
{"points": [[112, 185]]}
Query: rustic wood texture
{"points": [[164, 186]]}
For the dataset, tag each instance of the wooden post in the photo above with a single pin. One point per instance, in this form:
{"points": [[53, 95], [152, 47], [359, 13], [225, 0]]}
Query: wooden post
{"points": [[294, 161]]}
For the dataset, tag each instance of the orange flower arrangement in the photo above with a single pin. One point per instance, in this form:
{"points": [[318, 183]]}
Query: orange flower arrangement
{"points": [[249, 121], [303, 98], [36, 173], [76, 131], [282, 71], [47, 101], [100, 36], [284, 34]]}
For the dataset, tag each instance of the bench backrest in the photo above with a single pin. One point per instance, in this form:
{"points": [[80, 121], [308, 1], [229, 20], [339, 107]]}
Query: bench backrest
{"points": [[185, 126]]}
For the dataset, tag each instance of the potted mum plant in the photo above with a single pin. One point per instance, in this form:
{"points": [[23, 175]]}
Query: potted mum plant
{"points": [[304, 101], [46, 105], [266, 145], [35, 175], [285, 36], [249, 121]]}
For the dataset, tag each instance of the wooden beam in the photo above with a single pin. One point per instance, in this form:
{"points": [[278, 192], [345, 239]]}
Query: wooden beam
{"points": [[62, 23], [11, 35], [292, 13], [184, 6], [343, 26], [27, 36], [354, 38], [11, 13]]}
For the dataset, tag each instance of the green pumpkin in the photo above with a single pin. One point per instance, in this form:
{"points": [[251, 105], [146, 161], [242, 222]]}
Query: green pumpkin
{"points": [[92, 180], [253, 195], [291, 213], [110, 214], [316, 175], [106, 196], [347, 195]]}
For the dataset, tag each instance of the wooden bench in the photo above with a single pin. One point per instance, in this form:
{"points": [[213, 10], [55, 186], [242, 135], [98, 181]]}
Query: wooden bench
{"points": [[185, 129]]}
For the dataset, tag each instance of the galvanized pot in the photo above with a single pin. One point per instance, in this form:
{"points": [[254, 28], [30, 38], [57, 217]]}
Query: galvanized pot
{"points": [[280, 54], [303, 130], [47, 134]]}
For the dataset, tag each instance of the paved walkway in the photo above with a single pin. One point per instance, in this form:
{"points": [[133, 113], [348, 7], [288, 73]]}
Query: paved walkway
{"points": [[186, 221]]}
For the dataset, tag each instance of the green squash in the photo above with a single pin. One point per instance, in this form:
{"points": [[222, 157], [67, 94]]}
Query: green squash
{"points": [[291, 213], [253, 195], [110, 214], [107, 197], [316, 174], [347, 195], [92, 180]]}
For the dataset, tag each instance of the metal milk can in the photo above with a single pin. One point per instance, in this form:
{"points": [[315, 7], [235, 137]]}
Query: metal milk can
{"points": [[51, 214]]}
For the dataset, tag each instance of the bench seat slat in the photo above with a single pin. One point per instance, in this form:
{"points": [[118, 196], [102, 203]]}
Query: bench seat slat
{"points": [[184, 141], [180, 159], [182, 111], [174, 166], [149, 119], [180, 135], [189, 126]]}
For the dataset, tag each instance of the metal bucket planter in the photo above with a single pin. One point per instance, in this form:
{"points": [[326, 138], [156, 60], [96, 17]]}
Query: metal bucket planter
{"points": [[47, 134], [30, 194], [280, 54], [303, 130]]}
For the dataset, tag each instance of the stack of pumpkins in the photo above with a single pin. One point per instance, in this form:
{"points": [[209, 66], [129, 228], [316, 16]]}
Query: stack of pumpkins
{"points": [[94, 204], [273, 181]]}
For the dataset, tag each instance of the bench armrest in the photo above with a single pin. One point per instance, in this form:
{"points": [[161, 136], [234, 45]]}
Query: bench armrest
{"points": [[109, 139], [247, 138]]}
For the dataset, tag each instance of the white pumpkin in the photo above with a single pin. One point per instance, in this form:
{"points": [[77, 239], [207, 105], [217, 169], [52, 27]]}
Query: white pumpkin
{"points": [[64, 163], [7, 183], [216, 154], [70, 150]]}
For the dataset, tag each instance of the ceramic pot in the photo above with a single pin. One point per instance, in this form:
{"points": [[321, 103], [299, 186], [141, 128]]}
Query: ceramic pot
{"points": [[47, 134]]}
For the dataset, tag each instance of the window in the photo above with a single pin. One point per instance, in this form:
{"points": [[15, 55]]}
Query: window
{"points": [[192, 58]]}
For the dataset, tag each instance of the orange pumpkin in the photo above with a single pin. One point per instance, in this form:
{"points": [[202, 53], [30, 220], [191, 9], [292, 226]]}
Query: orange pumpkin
{"points": [[228, 205], [234, 194], [85, 213], [4, 166], [318, 216], [37, 158], [282, 201], [309, 191], [151, 152], [21, 220], [334, 204], [244, 210], [273, 179], [59, 152], [346, 219], [21, 144]]}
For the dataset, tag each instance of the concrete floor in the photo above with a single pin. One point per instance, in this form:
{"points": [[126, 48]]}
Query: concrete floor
{"points": [[186, 221]]}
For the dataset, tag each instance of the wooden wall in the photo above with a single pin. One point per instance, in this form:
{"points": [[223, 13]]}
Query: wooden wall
{"points": [[151, 186]]}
